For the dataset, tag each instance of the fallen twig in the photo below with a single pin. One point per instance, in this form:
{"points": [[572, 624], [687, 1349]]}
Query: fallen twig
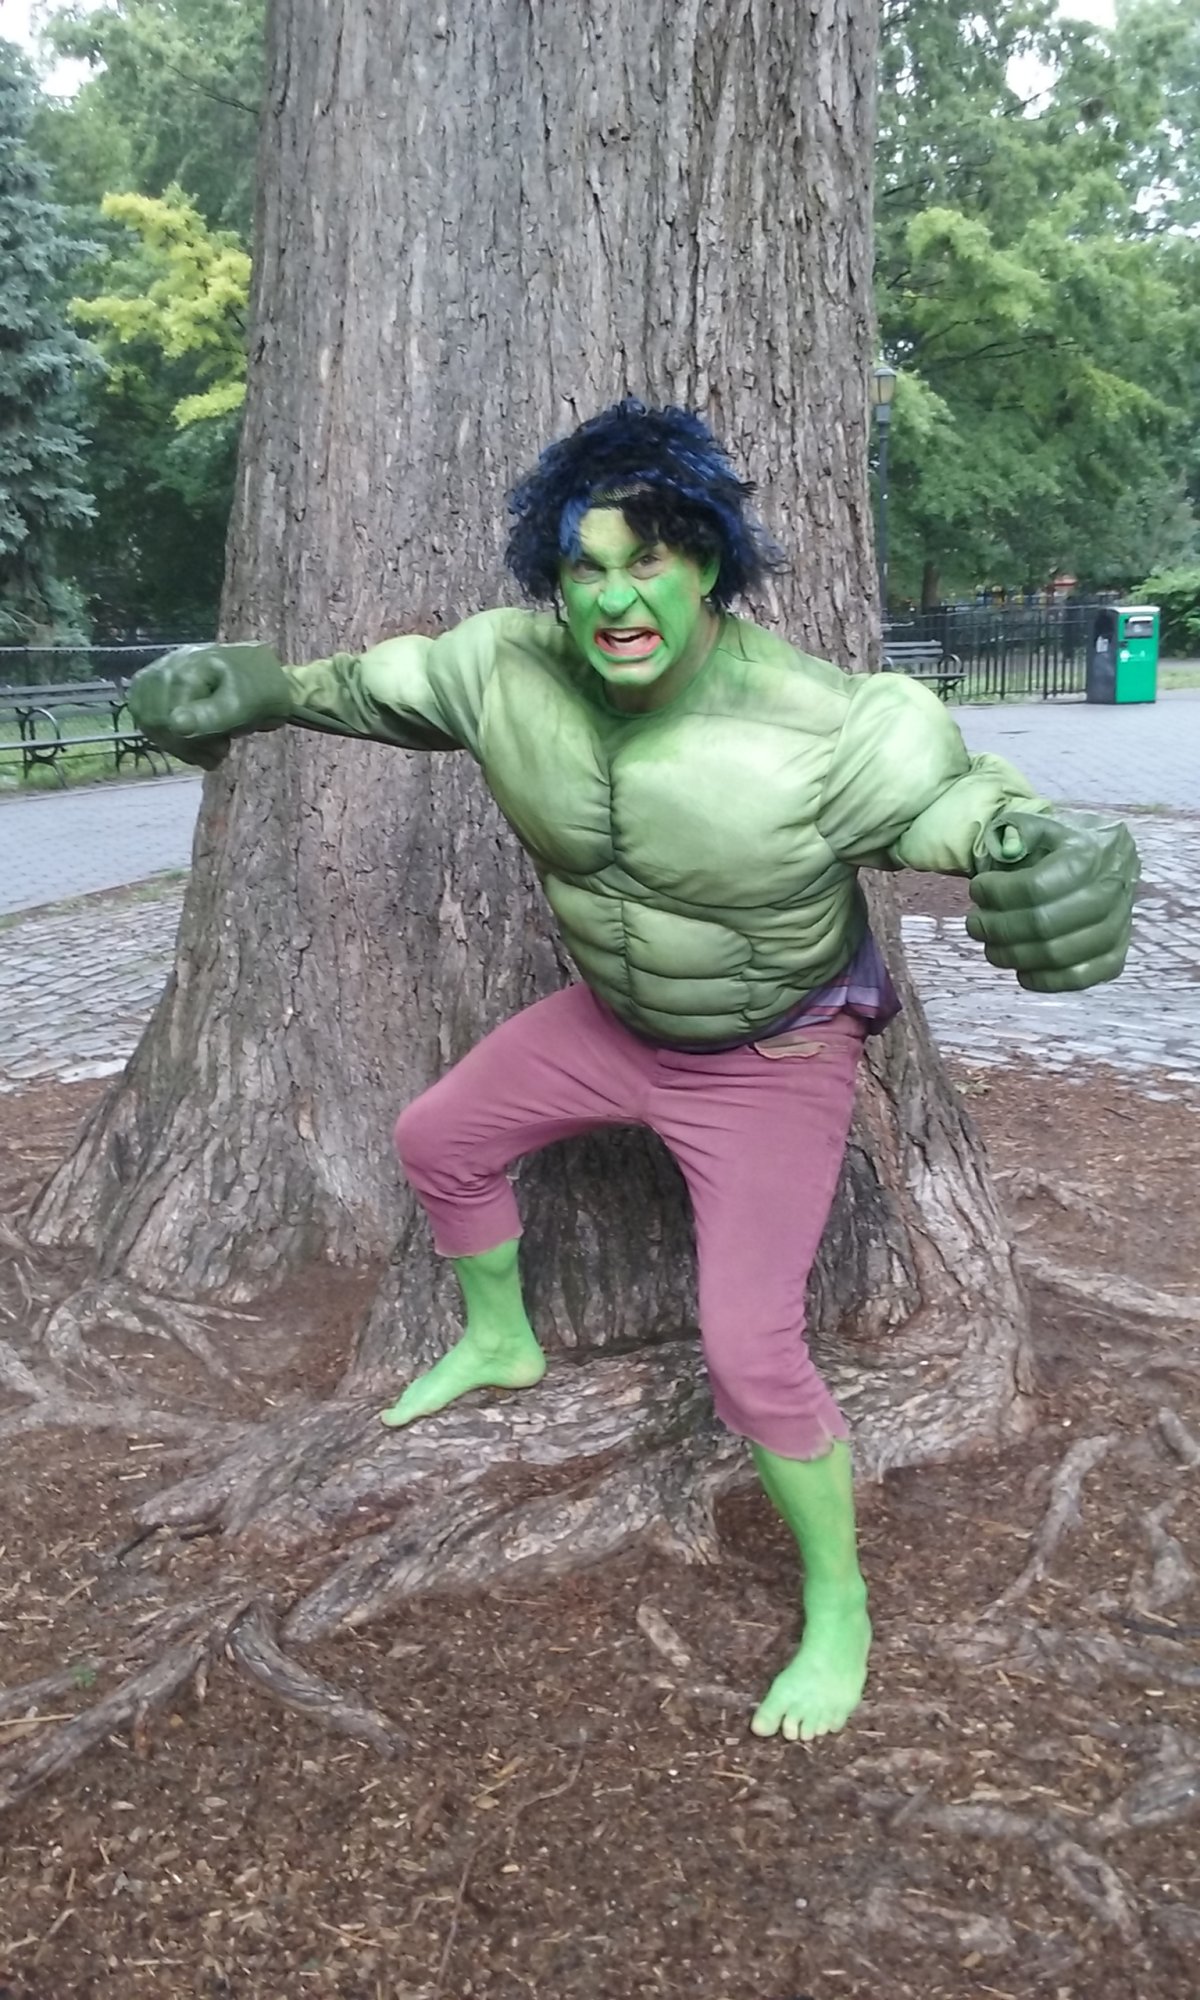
{"points": [[711, 1694], [663, 1636]]}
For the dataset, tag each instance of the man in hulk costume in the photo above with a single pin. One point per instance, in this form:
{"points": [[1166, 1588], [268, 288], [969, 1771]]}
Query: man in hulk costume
{"points": [[697, 798]]}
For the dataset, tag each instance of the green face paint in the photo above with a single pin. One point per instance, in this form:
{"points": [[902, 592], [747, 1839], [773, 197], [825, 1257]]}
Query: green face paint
{"points": [[636, 611]]}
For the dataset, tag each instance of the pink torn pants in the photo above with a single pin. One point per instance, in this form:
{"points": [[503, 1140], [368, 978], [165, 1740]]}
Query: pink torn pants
{"points": [[759, 1139]]}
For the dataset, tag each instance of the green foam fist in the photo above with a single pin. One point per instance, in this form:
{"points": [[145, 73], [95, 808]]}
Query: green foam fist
{"points": [[193, 701], [1054, 898]]}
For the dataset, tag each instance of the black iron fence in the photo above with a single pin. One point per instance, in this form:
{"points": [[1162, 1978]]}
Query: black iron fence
{"points": [[1011, 652], [1006, 652], [54, 666]]}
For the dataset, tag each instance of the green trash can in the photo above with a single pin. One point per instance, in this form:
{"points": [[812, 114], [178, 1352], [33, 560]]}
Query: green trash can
{"points": [[1122, 661]]}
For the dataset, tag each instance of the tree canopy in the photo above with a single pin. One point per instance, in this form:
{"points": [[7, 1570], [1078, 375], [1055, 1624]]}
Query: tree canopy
{"points": [[42, 489], [1038, 284], [153, 159], [1037, 291]]}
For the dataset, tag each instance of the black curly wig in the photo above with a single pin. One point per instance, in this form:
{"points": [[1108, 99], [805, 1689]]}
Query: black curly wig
{"points": [[672, 481]]}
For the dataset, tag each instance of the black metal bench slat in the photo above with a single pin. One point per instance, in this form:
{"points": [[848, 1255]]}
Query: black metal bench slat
{"points": [[924, 660], [26, 704]]}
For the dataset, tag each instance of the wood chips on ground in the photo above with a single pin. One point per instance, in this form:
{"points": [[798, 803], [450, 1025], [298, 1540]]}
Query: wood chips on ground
{"points": [[578, 1812]]}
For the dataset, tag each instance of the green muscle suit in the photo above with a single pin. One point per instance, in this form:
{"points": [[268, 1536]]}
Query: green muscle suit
{"points": [[701, 858]]}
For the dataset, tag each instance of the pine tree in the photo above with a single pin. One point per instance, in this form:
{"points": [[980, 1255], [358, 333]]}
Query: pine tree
{"points": [[41, 468]]}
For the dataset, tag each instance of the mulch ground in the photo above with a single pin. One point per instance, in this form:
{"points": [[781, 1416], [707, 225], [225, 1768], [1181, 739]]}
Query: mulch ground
{"points": [[573, 1817]]}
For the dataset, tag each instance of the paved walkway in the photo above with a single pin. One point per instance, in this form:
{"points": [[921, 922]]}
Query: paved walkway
{"points": [[78, 986], [1136, 756], [55, 845]]}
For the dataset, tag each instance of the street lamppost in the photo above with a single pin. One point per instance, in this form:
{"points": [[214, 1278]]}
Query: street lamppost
{"points": [[883, 388]]}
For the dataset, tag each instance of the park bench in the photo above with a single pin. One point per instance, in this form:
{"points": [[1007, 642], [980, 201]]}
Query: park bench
{"points": [[924, 660], [39, 711]]}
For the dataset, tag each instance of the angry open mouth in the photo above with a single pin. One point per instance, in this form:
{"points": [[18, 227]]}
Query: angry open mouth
{"points": [[633, 642]]}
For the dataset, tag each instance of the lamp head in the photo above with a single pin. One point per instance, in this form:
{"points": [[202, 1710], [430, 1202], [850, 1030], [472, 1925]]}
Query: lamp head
{"points": [[883, 386]]}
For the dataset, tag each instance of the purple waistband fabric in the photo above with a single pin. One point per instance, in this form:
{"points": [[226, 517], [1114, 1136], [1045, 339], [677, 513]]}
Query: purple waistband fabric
{"points": [[864, 987]]}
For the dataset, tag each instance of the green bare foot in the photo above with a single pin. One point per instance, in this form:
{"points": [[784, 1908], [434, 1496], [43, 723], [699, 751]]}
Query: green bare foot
{"points": [[471, 1364], [820, 1689]]}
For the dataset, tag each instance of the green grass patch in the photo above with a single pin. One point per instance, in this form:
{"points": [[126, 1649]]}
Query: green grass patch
{"points": [[90, 764]]}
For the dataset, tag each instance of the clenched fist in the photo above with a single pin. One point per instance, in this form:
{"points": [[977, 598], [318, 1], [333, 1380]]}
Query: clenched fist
{"points": [[1055, 906], [191, 702]]}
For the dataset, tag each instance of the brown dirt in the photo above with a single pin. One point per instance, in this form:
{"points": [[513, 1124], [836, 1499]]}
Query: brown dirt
{"points": [[561, 1824]]}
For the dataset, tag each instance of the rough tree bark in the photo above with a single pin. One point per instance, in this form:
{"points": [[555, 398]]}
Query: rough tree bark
{"points": [[476, 228]]}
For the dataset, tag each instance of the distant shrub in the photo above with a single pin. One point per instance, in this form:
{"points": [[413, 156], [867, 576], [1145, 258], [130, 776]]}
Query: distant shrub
{"points": [[1177, 594]]}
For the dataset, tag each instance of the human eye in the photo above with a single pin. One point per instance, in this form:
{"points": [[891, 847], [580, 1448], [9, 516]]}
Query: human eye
{"points": [[583, 569], [650, 562]]}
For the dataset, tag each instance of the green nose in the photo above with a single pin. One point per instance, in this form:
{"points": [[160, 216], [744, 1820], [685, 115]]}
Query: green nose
{"points": [[615, 599]]}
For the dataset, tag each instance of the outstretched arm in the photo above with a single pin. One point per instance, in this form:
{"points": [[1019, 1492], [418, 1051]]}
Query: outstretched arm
{"points": [[1053, 889], [417, 693]]}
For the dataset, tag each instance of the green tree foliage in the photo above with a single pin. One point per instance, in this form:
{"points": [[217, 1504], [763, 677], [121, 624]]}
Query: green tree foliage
{"points": [[1043, 322], [171, 105], [179, 81], [183, 293], [1177, 595], [1038, 287], [42, 491]]}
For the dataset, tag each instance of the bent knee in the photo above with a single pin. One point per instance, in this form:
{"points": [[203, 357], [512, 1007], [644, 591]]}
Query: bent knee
{"points": [[419, 1137]]}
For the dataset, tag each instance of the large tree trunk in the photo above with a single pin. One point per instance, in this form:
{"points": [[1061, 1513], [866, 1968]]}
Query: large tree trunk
{"points": [[475, 229]]}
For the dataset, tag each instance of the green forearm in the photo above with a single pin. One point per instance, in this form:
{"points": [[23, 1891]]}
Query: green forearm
{"points": [[950, 836], [335, 697]]}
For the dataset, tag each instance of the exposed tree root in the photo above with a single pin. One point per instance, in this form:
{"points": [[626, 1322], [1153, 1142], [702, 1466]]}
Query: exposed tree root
{"points": [[26, 1699], [17, 1376], [663, 1497], [1176, 1433], [902, 1913], [254, 1646], [11, 1238], [1167, 1795], [1172, 1575], [53, 1403], [129, 1310], [1027, 1184], [1096, 1884], [23, 1769], [308, 1472], [1097, 1297], [1061, 1514], [240, 1628], [1079, 1658], [1086, 1877]]}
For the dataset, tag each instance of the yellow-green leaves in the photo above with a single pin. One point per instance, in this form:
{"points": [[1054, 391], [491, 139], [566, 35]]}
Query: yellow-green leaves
{"points": [[183, 288]]}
